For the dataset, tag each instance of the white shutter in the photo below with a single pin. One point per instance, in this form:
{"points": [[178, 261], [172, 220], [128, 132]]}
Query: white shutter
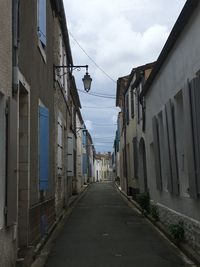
{"points": [[60, 72], [65, 76], [60, 147], [70, 156]]}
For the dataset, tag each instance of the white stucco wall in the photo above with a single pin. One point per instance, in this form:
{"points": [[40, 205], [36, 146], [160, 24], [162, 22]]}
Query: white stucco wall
{"points": [[183, 63]]}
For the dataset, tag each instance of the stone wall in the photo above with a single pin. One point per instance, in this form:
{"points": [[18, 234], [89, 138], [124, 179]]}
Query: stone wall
{"points": [[191, 227]]}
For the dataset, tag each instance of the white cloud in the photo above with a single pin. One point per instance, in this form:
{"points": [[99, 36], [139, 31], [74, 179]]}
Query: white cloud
{"points": [[89, 125], [118, 35]]}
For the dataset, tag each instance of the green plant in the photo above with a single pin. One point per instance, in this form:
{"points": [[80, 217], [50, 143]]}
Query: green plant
{"points": [[144, 201], [177, 231], [154, 212]]}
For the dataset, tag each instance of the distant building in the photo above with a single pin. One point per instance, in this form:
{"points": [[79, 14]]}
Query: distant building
{"points": [[103, 167], [88, 157]]}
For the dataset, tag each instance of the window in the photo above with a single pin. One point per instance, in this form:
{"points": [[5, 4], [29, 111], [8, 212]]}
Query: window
{"points": [[42, 22], [43, 147], [70, 155]]}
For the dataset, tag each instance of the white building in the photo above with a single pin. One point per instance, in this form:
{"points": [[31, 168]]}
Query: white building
{"points": [[172, 97]]}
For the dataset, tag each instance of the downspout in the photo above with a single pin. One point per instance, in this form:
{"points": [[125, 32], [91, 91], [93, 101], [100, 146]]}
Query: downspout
{"points": [[15, 45]]}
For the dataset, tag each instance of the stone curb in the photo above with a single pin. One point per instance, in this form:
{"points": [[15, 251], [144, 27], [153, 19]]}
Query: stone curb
{"points": [[36, 256], [185, 248]]}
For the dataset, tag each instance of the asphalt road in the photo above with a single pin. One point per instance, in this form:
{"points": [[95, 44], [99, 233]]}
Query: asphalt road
{"points": [[103, 231]]}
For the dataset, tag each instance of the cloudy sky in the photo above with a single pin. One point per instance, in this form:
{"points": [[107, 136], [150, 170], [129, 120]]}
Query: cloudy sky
{"points": [[112, 37]]}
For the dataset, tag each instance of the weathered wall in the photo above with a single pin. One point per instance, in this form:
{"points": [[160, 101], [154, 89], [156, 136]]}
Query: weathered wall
{"points": [[183, 63], [39, 75], [7, 238]]}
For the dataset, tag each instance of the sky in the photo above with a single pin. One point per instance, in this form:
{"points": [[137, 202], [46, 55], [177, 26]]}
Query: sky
{"points": [[112, 37]]}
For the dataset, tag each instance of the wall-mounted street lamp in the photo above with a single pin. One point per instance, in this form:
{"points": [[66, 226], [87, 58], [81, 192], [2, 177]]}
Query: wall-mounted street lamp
{"points": [[87, 80], [79, 128]]}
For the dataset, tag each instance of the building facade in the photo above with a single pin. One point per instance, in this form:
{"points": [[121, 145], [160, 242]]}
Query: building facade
{"points": [[39, 115], [8, 138], [172, 126]]}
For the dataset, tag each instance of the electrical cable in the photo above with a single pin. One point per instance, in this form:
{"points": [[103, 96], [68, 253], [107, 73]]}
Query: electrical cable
{"points": [[96, 95], [108, 76], [103, 124], [98, 107]]}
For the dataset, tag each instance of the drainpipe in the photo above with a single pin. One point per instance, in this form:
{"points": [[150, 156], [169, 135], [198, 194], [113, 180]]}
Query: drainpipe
{"points": [[15, 45]]}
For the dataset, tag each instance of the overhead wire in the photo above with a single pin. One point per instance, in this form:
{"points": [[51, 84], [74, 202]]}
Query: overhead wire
{"points": [[98, 107], [96, 95], [102, 70], [101, 94]]}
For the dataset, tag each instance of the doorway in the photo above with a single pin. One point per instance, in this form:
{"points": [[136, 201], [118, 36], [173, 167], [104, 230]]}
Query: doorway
{"points": [[24, 167]]}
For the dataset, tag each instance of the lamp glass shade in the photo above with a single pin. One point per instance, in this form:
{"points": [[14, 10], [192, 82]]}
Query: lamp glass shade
{"points": [[87, 80]]}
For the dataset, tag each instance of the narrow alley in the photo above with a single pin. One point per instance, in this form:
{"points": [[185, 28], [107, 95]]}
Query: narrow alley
{"points": [[103, 231], [99, 133]]}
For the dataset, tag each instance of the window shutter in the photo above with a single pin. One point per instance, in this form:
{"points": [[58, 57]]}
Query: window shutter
{"points": [[172, 147], [157, 153], [84, 163], [167, 158], [11, 183], [42, 21], [60, 148], [195, 100], [43, 147], [189, 143], [70, 156], [135, 157], [127, 108]]}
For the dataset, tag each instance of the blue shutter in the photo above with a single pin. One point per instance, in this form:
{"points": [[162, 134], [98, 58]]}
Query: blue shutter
{"points": [[43, 147], [42, 21], [84, 164]]}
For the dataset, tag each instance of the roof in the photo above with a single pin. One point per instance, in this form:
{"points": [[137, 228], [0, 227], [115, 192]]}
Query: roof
{"points": [[178, 28], [138, 70], [121, 85]]}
